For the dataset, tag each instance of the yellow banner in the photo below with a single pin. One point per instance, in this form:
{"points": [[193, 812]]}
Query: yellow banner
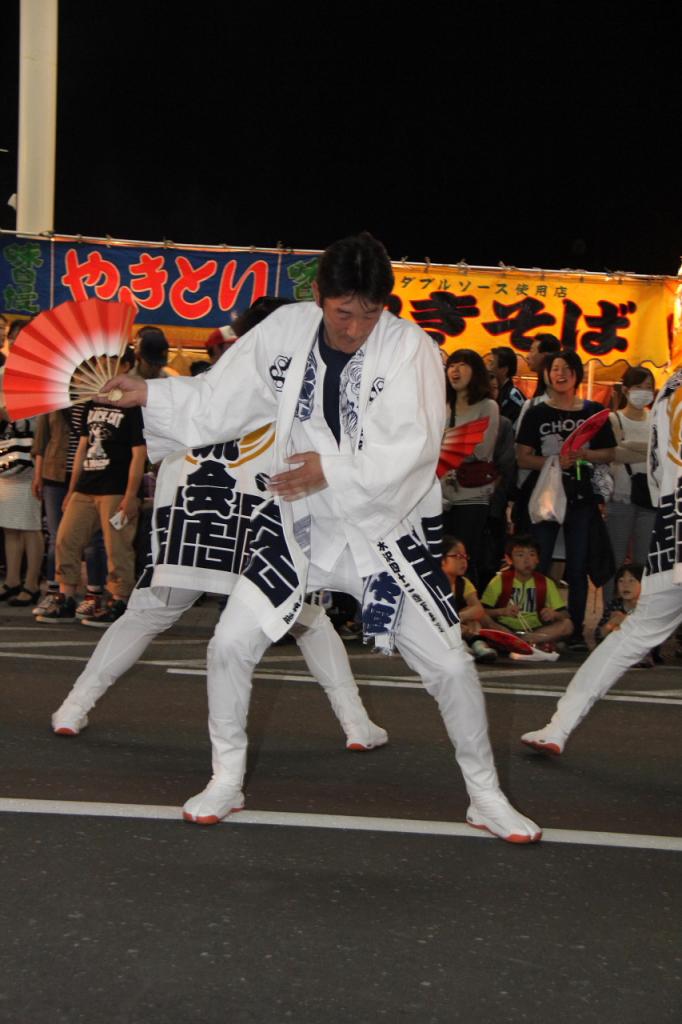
{"points": [[612, 319]]}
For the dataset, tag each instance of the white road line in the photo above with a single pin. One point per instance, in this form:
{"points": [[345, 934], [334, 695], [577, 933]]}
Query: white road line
{"points": [[629, 697], [163, 663], [335, 821]]}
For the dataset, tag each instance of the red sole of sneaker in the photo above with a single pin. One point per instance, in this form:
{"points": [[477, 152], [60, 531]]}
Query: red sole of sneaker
{"points": [[65, 731], [544, 748], [513, 838], [209, 819], [357, 746]]}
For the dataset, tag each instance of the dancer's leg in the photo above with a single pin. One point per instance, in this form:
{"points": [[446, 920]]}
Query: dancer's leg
{"points": [[652, 622], [450, 677], [325, 655], [235, 649], [119, 649]]}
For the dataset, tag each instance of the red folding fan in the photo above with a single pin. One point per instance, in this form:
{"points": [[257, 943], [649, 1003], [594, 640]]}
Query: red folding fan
{"points": [[65, 355], [459, 443], [585, 432], [519, 649]]}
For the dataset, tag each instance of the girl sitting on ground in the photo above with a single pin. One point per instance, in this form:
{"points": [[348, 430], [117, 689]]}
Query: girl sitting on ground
{"points": [[469, 608]]}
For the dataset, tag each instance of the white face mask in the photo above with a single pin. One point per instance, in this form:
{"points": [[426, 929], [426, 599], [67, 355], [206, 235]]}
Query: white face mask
{"points": [[640, 397]]}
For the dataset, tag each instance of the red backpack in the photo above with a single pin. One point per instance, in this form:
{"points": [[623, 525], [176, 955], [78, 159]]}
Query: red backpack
{"points": [[507, 577]]}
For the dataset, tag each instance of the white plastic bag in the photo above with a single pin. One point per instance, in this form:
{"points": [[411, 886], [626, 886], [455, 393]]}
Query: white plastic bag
{"points": [[548, 500]]}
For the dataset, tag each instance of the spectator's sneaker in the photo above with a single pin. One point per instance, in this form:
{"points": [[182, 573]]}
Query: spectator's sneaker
{"points": [[482, 652], [105, 616], [213, 804], [576, 643], [64, 611], [89, 606], [547, 740], [47, 602], [493, 813]]}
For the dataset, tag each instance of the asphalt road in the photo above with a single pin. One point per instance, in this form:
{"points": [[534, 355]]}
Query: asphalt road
{"points": [[349, 889]]}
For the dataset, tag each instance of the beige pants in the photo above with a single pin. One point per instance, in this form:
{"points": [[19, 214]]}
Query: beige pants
{"points": [[84, 515]]}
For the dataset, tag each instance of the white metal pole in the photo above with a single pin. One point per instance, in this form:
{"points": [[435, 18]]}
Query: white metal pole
{"points": [[37, 115]]}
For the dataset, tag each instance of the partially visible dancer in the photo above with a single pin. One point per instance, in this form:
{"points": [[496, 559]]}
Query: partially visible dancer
{"points": [[544, 429], [203, 504], [469, 608], [524, 601], [659, 609], [630, 512], [467, 491], [20, 510]]}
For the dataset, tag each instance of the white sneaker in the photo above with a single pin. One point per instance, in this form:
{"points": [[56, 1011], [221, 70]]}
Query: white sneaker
{"points": [[69, 720], [47, 603], [493, 812], [547, 740], [366, 737], [216, 802]]}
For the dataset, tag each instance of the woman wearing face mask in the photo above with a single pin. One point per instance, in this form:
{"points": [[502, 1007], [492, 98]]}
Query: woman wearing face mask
{"points": [[630, 515]]}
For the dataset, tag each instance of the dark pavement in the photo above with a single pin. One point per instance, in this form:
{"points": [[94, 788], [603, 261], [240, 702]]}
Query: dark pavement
{"points": [[134, 919]]}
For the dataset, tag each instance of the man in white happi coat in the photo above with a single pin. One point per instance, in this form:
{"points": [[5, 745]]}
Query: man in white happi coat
{"points": [[659, 609], [358, 398]]}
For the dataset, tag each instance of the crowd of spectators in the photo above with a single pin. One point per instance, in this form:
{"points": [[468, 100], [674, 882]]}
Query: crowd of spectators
{"points": [[82, 490]]}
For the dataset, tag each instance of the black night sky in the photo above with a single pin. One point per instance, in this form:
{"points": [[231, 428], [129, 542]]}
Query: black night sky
{"points": [[535, 135]]}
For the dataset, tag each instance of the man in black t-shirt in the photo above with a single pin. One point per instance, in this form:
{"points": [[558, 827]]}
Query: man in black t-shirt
{"points": [[105, 484]]}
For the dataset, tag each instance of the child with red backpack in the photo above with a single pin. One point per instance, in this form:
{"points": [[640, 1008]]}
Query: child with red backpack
{"points": [[524, 601]]}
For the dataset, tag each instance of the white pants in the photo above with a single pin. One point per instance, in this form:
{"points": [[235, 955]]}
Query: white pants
{"points": [[651, 623], [448, 675], [146, 617]]}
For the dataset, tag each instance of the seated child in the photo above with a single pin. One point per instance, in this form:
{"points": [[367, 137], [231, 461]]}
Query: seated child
{"points": [[627, 588], [523, 601], [469, 607]]}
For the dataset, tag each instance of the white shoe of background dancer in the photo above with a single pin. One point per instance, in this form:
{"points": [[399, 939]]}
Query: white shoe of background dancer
{"points": [[493, 812], [69, 720], [548, 740], [366, 737], [216, 802]]}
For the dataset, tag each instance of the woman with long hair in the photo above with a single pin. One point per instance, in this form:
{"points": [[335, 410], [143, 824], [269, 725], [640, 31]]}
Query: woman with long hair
{"points": [[467, 491]]}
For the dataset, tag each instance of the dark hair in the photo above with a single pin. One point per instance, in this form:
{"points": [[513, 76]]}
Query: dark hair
{"points": [[572, 360], [521, 540], [635, 375], [634, 568], [128, 356], [547, 343], [506, 359], [479, 385], [152, 332], [199, 366], [258, 311], [358, 265], [450, 542]]}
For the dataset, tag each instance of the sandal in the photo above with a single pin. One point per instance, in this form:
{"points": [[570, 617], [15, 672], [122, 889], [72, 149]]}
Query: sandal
{"points": [[23, 602], [9, 591]]}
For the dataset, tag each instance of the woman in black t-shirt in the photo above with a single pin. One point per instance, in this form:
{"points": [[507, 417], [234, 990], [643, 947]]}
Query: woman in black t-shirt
{"points": [[543, 431]]}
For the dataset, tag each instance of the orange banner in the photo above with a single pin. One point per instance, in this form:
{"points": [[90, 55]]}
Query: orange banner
{"points": [[612, 319]]}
